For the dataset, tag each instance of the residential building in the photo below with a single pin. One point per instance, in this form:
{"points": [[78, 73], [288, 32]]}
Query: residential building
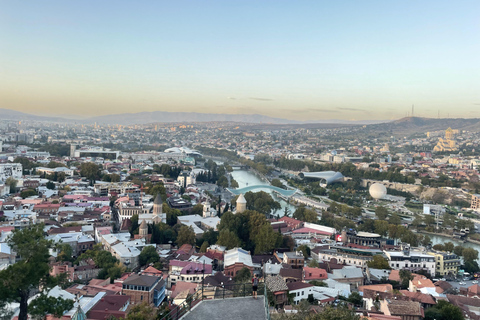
{"points": [[144, 288], [236, 259], [413, 261], [300, 291], [445, 263]]}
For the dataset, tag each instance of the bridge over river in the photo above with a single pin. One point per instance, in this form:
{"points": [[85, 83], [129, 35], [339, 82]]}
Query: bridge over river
{"points": [[283, 192]]}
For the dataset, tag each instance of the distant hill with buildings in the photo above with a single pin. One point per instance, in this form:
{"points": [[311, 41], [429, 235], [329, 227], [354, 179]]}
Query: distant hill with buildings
{"points": [[8, 114], [413, 125]]}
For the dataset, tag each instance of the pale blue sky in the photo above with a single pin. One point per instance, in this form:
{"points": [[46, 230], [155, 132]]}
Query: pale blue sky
{"points": [[303, 60]]}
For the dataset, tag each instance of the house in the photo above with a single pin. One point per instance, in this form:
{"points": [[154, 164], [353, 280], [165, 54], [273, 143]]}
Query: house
{"points": [[386, 287], [143, 288], [108, 306], [407, 310], [310, 274], [279, 288], [300, 291], [236, 259], [294, 259], [291, 275]]}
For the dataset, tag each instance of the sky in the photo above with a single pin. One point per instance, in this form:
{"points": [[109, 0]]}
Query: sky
{"points": [[299, 60]]}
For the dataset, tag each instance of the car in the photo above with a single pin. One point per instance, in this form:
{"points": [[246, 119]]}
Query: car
{"points": [[462, 283], [443, 279], [474, 281]]}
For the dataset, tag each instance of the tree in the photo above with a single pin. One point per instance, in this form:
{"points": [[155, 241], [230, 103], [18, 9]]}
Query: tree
{"points": [[449, 246], [142, 311], [44, 305], [313, 263], [19, 280], [305, 250], [28, 193], [186, 235], [444, 310], [355, 298], [331, 313], [133, 229], [228, 239], [12, 183], [90, 170], [148, 255], [395, 219], [222, 182], [277, 183], [405, 277], [471, 266], [265, 239], [204, 247], [305, 214], [470, 254], [243, 275], [65, 252], [50, 185], [381, 213], [378, 262]]}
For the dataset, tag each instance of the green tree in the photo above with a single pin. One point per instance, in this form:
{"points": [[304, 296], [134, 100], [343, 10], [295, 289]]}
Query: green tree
{"points": [[305, 250], [449, 246], [148, 255], [185, 235], [405, 277], [277, 183], [313, 263], [50, 185], [444, 310], [378, 262], [28, 193], [204, 247], [243, 275], [381, 213], [133, 229], [355, 298], [265, 239], [304, 214], [222, 182], [470, 254], [142, 311], [90, 170], [228, 239], [19, 280], [395, 219], [44, 305], [12, 183], [65, 252]]}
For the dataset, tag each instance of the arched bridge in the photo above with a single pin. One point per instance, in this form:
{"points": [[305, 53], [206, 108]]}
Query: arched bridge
{"points": [[283, 192]]}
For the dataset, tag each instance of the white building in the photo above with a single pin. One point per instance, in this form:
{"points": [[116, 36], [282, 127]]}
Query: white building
{"points": [[7, 170], [413, 261]]}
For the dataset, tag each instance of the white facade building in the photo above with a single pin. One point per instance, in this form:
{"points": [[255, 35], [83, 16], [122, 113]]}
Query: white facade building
{"points": [[7, 170]]}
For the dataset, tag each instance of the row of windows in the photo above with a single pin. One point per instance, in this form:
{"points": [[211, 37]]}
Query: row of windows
{"points": [[133, 287]]}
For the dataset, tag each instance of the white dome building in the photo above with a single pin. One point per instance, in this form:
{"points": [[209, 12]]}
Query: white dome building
{"points": [[377, 191]]}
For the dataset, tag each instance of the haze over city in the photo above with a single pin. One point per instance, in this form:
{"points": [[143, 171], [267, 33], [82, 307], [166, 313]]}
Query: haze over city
{"points": [[296, 60]]}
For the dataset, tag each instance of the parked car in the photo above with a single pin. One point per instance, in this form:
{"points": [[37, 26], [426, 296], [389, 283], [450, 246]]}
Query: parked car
{"points": [[462, 283], [474, 281]]}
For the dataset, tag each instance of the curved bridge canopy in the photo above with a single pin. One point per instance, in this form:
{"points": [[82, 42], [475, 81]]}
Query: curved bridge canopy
{"points": [[286, 193], [326, 177]]}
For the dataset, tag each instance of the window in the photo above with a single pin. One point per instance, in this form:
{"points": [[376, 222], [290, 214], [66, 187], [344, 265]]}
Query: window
{"points": [[141, 298]]}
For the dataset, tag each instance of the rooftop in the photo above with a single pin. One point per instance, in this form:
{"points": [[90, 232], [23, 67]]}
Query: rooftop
{"points": [[232, 309]]}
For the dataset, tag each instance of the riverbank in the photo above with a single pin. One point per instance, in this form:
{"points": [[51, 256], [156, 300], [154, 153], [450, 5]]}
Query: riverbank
{"points": [[445, 235]]}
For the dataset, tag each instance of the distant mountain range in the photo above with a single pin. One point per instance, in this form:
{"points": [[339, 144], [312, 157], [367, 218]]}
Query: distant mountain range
{"points": [[404, 126], [169, 117], [411, 125]]}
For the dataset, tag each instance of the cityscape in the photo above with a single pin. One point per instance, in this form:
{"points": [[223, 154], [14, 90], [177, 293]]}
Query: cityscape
{"points": [[259, 160], [161, 220]]}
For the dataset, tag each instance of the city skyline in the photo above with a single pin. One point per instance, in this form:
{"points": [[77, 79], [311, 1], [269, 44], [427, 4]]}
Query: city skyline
{"points": [[300, 61]]}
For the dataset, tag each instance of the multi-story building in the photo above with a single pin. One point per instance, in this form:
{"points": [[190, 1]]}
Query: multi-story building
{"points": [[445, 263], [413, 261], [7, 170], [143, 288], [347, 255], [475, 204]]}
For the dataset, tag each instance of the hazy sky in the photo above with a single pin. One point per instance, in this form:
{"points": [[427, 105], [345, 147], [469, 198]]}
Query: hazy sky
{"points": [[303, 60]]}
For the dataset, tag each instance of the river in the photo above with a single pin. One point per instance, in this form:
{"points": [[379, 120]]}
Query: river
{"points": [[248, 178]]}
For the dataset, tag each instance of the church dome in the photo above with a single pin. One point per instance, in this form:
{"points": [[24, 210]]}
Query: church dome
{"points": [[241, 199]]}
